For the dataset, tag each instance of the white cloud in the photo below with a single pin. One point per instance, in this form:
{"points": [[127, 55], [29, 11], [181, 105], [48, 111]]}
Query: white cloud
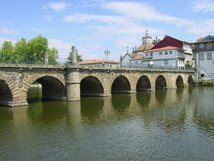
{"points": [[203, 28], [87, 51], [2, 40], [63, 47], [203, 5], [82, 18], [7, 31], [142, 11], [57, 6], [126, 24]]}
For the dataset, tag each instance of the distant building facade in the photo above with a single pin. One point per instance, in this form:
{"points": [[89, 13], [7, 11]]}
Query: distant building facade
{"points": [[204, 54], [128, 60], [167, 53], [170, 53]]}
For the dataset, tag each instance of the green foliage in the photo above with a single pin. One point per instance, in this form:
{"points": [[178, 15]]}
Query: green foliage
{"points": [[206, 83], [52, 56], [6, 52], [28, 52], [69, 59], [37, 47], [20, 51]]}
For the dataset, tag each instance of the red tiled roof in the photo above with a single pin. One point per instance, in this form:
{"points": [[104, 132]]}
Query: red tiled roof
{"points": [[165, 48], [138, 57], [169, 41], [144, 47], [97, 61]]}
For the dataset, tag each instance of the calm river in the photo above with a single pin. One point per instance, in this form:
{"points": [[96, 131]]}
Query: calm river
{"points": [[173, 125]]}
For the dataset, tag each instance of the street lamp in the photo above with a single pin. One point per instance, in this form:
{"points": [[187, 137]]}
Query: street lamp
{"points": [[107, 53]]}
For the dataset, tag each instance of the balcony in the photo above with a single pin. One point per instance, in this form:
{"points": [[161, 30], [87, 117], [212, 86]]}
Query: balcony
{"points": [[181, 56]]}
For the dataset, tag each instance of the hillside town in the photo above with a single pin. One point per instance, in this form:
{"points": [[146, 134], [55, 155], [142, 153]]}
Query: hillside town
{"points": [[168, 53]]}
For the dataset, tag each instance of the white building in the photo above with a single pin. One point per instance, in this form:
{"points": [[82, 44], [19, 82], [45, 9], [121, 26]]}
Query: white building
{"points": [[204, 53], [127, 59], [99, 63], [170, 53]]}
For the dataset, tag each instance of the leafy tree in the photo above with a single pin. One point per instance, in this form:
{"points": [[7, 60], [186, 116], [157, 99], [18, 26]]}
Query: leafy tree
{"points": [[6, 53], [69, 59], [52, 56], [32, 51], [21, 51], [154, 42], [37, 47]]}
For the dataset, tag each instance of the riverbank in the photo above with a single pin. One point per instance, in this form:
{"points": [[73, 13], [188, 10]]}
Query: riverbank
{"points": [[206, 83]]}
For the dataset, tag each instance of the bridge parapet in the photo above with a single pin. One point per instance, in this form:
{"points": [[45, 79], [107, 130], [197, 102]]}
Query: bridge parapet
{"points": [[60, 81]]}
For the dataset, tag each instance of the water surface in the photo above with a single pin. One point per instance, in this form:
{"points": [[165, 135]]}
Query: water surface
{"points": [[168, 125]]}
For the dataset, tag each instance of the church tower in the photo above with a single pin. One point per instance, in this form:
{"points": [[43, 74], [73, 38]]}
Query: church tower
{"points": [[147, 39]]}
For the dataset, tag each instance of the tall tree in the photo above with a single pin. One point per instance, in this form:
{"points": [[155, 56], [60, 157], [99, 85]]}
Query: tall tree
{"points": [[6, 52], [69, 59], [21, 51], [37, 47], [52, 56]]}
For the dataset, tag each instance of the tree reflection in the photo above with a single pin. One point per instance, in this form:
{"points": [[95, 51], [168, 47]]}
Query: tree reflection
{"points": [[91, 108], [121, 102], [144, 98]]}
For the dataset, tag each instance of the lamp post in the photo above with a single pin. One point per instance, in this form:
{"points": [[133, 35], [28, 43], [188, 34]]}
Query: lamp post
{"points": [[107, 53]]}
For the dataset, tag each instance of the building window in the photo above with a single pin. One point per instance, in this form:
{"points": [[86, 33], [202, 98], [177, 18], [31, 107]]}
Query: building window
{"points": [[166, 52], [151, 54], [166, 62], [160, 53], [146, 54], [201, 56], [201, 46], [209, 56], [209, 46], [170, 52]]}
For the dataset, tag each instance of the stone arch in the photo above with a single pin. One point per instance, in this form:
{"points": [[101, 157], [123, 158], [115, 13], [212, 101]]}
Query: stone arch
{"points": [[160, 83], [120, 85], [179, 82], [52, 87], [91, 86], [6, 97], [190, 81], [143, 83]]}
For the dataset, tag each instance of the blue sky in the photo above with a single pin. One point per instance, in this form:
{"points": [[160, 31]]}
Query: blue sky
{"points": [[96, 25]]}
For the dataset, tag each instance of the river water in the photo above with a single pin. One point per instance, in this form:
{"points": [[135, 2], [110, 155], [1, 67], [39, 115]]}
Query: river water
{"points": [[168, 125]]}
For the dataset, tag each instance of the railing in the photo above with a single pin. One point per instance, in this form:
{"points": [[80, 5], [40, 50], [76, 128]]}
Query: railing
{"points": [[154, 66], [63, 63]]}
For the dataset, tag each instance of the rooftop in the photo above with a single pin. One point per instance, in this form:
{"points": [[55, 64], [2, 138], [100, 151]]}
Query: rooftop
{"points": [[165, 48], [97, 61], [206, 39]]}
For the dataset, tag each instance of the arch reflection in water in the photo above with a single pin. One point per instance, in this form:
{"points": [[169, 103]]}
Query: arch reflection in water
{"points": [[91, 108], [47, 111], [190, 81], [91, 86], [143, 84], [5, 114], [121, 102], [160, 96], [144, 98], [179, 92], [120, 85]]}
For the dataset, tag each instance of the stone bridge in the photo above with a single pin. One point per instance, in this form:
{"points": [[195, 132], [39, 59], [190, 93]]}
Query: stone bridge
{"points": [[70, 83]]}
